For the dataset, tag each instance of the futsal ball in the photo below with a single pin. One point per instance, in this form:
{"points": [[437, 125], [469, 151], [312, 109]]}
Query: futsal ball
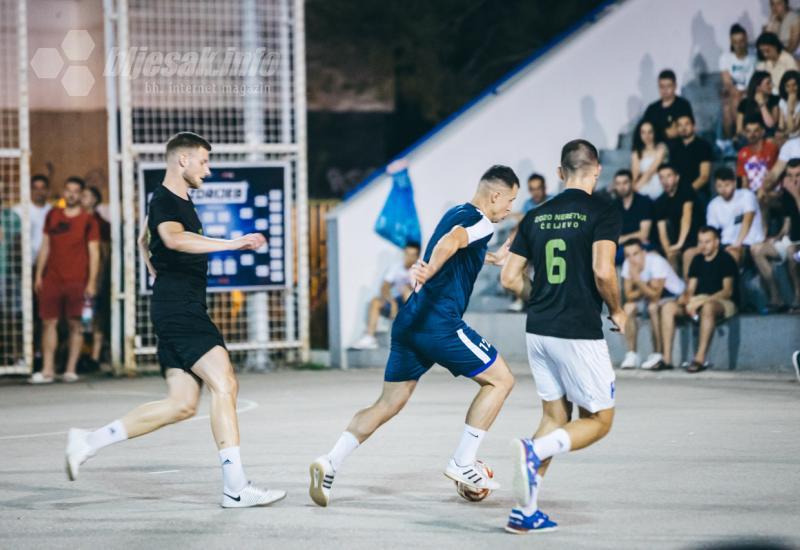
{"points": [[471, 493]]}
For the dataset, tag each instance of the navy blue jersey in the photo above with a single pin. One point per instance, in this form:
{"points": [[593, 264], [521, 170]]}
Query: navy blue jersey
{"points": [[441, 302]]}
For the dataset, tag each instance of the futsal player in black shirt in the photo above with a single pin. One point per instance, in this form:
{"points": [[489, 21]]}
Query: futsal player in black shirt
{"points": [[191, 350], [570, 241]]}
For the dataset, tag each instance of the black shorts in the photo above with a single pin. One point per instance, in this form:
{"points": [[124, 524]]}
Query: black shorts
{"points": [[185, 333]]}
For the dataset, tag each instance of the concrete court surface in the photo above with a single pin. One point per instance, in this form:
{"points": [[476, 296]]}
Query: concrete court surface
{"points": [[691, 460]]}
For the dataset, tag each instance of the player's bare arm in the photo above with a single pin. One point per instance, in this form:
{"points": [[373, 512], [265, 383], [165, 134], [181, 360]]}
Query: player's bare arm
{"points": [[448, 245], [513, 276], [144, 242], [175, 237], [605, 276]]}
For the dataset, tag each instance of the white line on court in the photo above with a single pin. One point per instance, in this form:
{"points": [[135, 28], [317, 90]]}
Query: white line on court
{"points": [[244, 405], [163, 472]]}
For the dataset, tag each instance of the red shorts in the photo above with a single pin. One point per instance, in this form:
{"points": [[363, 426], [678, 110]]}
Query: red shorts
{"points": [[57, 300]]}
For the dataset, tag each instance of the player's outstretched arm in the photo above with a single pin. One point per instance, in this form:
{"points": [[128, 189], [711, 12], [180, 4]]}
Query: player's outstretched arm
{"points": [[448, 245], [513, 276], [175, 237], [605, 277]]}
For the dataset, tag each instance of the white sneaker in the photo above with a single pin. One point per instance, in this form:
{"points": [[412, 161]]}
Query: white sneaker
{"points": [[39, 378], [471, 475], [70, 377], [631, 361], [652, 361], [322, 474], [251, 496], [78, 451], [516, 305], [366, 342]]}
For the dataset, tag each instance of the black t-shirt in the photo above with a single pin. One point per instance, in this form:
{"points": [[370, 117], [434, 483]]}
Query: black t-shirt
{"points": [[557, 239], [709, 275], [641, 209], [179, 276], [687, 158], [662, 117], [670, 209], [788, 209], [748, 107]]}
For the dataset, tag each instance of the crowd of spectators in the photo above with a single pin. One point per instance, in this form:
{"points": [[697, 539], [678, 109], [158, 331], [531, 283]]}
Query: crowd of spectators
{"points": [[698, 221], [69, 249]]}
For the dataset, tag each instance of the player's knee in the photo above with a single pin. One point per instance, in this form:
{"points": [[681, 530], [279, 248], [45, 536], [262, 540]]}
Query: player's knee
{"points": [[707, 313], [653, 309], [630, 308], [506, 382], [182, 409], [225, 384], [605, 420]]}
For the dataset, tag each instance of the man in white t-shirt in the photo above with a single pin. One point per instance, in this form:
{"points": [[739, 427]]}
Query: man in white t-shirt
{"points": [[37, 211], [649, 281], [789, 150], [736, 66], [395, 290], [736, 214]]}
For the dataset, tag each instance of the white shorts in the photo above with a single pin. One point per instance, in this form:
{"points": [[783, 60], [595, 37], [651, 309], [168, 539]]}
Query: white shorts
{"points": [[579, 369]]}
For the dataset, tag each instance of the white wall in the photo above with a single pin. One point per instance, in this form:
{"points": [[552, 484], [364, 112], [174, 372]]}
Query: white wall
{"points": [[592, 86]]}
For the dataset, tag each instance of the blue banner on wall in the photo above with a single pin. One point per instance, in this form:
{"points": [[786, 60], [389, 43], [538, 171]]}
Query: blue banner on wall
{"points": [[236, 199]]}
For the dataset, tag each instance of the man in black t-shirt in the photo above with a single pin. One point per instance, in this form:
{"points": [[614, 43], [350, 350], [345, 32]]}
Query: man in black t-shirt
{"points": [[677, 219], [784, 244], [691, 156], [570, 241], [663, 114], [710, 297], [636, 210], [190, 348]]}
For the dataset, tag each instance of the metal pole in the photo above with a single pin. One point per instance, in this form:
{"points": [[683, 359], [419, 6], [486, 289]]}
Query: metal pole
{"points": [[257, 302], [113, 190], [25, 190], [128, 195], [301, 176]]}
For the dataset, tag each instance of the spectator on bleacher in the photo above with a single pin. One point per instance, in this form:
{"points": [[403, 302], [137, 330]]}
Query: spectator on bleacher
{"points": [[788, 151], [636, 210], [664, 113], [756, 159], [537, 189], [782, 241], [773, 58], [649, 282], [91, 198], [395, 290], [709, 298], [37, 211], [789, 106], [677, 218], [759, 102], [736, 67], [66, 276], [691, 155], [784, 23], [649, 151], [736, 215]]}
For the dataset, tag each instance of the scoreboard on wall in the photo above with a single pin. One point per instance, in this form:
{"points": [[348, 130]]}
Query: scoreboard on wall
{"points": [[236, 199]]}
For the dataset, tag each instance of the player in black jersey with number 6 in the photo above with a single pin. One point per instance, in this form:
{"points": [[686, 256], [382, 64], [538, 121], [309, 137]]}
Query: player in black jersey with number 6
{"points": [[190, 348], [570, 241]]}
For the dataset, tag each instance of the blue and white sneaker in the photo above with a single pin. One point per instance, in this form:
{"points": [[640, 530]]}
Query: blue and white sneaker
{"points": [[526, 463], [538, 522]]}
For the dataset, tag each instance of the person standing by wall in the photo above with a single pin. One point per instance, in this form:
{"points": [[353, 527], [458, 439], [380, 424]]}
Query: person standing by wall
{"points": [[66, 277]]}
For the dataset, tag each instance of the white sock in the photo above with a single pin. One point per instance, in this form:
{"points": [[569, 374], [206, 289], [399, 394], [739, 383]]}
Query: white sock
{"points": [[105, 436], [467, 449], [233, 478], [552, 444], [534, 504], [346, 444]]}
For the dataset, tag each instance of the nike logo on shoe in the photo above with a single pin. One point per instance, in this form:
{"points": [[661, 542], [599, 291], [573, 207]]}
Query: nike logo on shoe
{"points": [[237, 499]]}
